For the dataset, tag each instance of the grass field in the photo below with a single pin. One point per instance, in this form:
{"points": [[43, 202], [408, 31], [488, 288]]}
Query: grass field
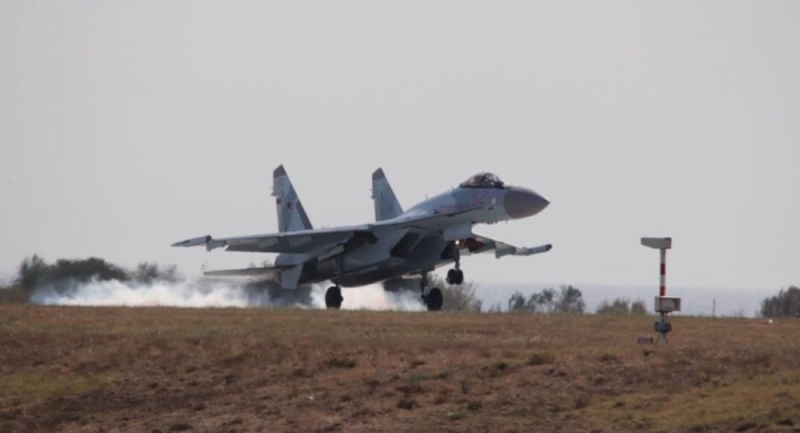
{"points": [[225, 370]]}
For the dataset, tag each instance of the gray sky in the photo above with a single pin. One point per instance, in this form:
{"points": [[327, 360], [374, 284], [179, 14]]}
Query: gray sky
{"points": [[126, 126]]}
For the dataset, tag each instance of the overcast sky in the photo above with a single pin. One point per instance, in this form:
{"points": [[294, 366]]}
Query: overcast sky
{"points": [[126, 126]]}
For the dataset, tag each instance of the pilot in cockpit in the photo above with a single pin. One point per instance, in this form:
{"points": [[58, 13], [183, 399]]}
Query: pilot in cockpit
{"points": [[483, 180]]}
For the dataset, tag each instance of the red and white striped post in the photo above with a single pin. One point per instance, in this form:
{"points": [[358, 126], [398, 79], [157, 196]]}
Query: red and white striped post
{"points": [[663, 291], [663, 305]]}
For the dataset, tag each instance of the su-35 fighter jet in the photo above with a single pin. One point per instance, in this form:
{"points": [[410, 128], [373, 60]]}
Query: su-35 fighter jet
{"points": [[435, 232]]}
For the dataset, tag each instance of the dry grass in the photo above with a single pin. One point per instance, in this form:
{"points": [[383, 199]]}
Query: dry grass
{"points": [[162, 369]]}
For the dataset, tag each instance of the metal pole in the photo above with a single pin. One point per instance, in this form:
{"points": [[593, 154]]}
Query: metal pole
{"points": [[663, 305], [663, 291], [662, 335]]}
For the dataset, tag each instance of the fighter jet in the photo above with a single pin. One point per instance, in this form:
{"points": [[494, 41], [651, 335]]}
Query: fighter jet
{"points": [[398, 246]]}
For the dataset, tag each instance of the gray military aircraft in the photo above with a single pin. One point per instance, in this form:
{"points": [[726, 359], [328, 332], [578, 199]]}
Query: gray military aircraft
{"points": [[435, 232]]}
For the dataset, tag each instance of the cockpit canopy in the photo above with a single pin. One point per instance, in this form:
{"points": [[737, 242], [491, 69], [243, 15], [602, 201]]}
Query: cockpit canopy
{"points": [[483, 180]]}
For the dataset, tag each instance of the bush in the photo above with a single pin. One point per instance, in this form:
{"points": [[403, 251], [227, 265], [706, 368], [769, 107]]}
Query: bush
{"points": [[31, 270], [568, 299], [638, 308], [34, 271], [147, 273], [14, 295], [83, 270], [622, 307], [65, 274], [460, 297]]}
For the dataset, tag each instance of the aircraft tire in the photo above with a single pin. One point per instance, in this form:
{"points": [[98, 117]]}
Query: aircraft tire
{"points": [[435, 299], [455, 277], [333, 298], [452, 276]]}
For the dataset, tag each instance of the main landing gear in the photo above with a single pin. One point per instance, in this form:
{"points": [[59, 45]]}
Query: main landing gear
{"points": [[333, 296], [432, 298]]}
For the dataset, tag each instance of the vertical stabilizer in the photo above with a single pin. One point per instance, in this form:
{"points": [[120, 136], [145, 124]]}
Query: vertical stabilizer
{"points": [[386, 204], [291, 215]]}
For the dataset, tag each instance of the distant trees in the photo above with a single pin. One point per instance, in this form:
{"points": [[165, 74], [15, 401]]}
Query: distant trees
{"points": [[785, 304], [622, 307], [570, 300], [638, 308], [34, 271], [85, 270], [518, 302], [495, 308], [30, 270], [567, 299], [147, 273]]}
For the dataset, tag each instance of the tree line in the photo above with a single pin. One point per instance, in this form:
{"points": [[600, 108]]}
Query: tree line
{"points": [[34, 271], [65, 274], [785, 304], [568, 299]]}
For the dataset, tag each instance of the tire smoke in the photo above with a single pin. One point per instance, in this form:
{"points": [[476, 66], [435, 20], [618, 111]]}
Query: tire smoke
{"points": [[215, 293]]}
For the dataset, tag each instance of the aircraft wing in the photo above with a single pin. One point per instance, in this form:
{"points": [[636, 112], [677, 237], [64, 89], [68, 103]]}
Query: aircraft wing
{"points": [[302, 241], [311, 241], [479, 244]]}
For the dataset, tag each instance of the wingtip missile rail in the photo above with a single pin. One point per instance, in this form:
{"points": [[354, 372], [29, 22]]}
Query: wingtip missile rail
{"points": [[193, 242]]}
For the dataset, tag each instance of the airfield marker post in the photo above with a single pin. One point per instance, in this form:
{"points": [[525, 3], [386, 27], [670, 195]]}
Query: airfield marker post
{"points": [[663, 290], [663, 303]]}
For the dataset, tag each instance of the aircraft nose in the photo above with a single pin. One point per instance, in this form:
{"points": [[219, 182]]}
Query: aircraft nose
{"points": [[522, 202]]}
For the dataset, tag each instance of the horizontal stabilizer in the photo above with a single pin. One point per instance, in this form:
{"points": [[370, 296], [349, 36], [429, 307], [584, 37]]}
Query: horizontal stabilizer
{"points": [[249, 272], [290, 276]]}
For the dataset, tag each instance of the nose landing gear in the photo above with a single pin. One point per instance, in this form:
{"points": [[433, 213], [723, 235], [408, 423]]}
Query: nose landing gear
{"points": [[455, 276]]}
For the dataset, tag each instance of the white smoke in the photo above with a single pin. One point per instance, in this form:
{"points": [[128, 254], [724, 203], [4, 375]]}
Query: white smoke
{"points": [[372, 297], [185, 293], [212, 293]]}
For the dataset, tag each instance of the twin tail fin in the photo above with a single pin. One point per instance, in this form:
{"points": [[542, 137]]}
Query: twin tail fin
{"points": [[291, 215]]}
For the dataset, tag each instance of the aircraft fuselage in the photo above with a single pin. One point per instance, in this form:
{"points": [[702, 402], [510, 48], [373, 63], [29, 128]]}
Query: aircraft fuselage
{"points": [[421, 249]]}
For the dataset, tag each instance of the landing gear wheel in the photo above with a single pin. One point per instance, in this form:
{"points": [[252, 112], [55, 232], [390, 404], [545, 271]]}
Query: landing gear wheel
{"points": [[451, 276], [333, 298], [434, 299], [455, 277]]}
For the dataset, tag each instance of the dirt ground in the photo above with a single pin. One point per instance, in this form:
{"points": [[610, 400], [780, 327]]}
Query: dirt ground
{"points": [[233, 370]]}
